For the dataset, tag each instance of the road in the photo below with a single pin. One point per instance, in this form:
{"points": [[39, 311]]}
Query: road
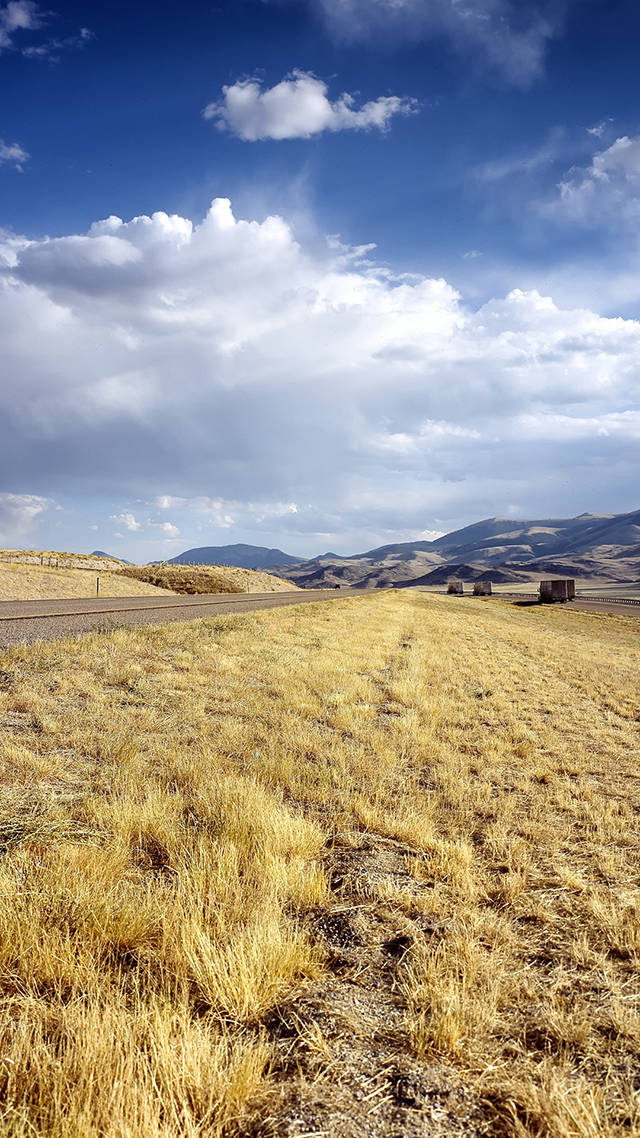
{"points": [[582, 604], [614, 606], [27, 621]]}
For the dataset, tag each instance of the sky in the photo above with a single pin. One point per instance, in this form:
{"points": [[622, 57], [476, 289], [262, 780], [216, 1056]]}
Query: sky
{"points": [[315, 274]]}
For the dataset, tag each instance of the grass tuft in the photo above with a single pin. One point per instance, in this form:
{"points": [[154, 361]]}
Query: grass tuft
{"points": [[451, 795]]}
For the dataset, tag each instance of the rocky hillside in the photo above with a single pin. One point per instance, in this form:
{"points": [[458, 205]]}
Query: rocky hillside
{"points": [[590, 546]]}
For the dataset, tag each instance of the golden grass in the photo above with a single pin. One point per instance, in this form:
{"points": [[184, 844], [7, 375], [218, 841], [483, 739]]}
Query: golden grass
{"points": [[208, 578], [58, 559], [26, 582], [169, 798]]}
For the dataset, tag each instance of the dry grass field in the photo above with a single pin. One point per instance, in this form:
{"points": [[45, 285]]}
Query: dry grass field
{"points": [[20, 581], [360, 869], [27, 580], [193, 579], [57, 559]]}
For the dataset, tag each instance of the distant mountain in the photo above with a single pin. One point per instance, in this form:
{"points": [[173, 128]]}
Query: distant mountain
{"points": [[244, 556], [462, 572], [404, 549], [101, 553], [603, 546], [491, 541]]}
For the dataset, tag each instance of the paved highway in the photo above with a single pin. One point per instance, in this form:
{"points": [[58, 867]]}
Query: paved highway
{"points": [[26, 621], [611, 605]]}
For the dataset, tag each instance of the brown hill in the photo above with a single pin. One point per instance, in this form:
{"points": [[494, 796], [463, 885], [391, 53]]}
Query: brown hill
{"points": [[606, 547], [470, 573]]}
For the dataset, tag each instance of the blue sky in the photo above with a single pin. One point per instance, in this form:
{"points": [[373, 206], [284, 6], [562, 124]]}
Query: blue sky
{"points": [[420, 306]]}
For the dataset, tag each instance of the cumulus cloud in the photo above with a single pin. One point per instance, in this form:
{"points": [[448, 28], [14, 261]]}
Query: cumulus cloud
{"points": [[605, 191], [223, 513], [297, 107], [508, 36], [127, 521], [167, 528], [12, 154], [18, 16], [133, 525], [18, 513], [250, 385]]}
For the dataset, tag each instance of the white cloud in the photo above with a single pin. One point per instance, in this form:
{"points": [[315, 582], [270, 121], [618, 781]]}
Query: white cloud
{"points": [[128, 521], [563, 428], [297, 107], [525, 163], [18, 513], [167, 528], [607, 191], [18, 16], [51, 48], [223, 513], [94, 528], [622, 159], [250, 385], [599, 128], [12, 154], [508, 36]]}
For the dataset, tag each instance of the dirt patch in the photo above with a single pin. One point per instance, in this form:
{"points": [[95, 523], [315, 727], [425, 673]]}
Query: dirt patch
{"points": [[346, 1062], [359, 865]]}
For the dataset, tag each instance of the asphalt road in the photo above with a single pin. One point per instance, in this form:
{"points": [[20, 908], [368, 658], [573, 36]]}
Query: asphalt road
{"points": [[27, 621], [581, 604]]}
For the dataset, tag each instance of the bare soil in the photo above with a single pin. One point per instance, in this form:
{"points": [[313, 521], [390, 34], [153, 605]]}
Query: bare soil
{"points": [[345, 1053]]}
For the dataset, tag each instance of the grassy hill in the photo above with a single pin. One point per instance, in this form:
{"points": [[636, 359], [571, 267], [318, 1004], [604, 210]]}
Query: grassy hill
{"points": [[366, 868], [59, 559], [193, 579], [33, 575], [20, 581]]}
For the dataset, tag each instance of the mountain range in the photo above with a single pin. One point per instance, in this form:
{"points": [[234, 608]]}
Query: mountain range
{"points": [[243, 556], [600, 547]]}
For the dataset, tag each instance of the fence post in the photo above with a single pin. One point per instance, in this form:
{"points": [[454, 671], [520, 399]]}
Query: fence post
{"points": [[97, 586]]}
